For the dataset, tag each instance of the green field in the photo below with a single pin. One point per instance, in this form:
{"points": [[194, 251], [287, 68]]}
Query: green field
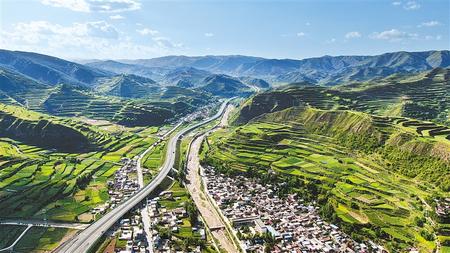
{"points": [[39, 239], [39, 182]]}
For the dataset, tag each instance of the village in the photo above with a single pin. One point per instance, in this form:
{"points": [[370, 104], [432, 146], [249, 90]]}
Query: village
{"points": [[122, 186], [171, 228], [259, 216]]}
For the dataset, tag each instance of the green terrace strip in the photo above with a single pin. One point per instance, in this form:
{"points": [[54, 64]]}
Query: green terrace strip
{"points": [[374, 176]]}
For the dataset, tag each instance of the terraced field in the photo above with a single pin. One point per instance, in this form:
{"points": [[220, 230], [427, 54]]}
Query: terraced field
{"points": [[71, 101], [360, 192], [38, 182], [425, 96]]}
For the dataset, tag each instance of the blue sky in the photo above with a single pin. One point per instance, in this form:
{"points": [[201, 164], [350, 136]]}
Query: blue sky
{"points": [[119, 29]]}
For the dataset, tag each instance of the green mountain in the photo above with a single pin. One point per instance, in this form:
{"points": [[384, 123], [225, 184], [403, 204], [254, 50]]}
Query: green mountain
{"points": [[47, 132], [123, 68], [330, 70], [423, 96], [117, 98], [128, 86], [76, 101], [225, 86], [11, 82], [255, 82], [50, 70], [186, 77], [69, 102]]}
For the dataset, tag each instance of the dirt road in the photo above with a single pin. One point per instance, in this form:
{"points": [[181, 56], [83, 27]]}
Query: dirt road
{"points": [[207, 210]]}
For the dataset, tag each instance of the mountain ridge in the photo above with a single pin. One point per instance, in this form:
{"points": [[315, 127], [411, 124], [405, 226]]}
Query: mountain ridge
{"points": [[326, 69]]}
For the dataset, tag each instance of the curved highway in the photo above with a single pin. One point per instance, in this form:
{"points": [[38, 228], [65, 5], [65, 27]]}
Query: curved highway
{"points": [[84, 240]]}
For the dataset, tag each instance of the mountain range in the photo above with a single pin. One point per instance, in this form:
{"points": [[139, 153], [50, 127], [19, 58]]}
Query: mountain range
{"points": [[217, 75], [326, 70]]}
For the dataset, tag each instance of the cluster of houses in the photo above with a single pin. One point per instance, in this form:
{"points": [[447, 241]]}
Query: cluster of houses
{"points": [[169, 219], [123, 186], [254, 209], [443, 208], [130, 230]]}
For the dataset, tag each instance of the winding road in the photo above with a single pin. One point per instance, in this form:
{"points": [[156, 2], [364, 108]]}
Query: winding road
{"points": [[85, 239]]}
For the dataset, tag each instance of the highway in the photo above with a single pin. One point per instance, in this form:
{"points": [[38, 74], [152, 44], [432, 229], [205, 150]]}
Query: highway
{"points": [[85, 239], [140, 176]]}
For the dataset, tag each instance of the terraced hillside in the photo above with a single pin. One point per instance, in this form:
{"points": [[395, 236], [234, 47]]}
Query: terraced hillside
{"points": [[224, 86], [46, 132], [73, 101], [425, 96], [375, 176], [128, 86], [37, 181]]}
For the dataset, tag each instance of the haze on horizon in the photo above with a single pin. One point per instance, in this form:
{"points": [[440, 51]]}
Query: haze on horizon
{"points": [[131, 29]]}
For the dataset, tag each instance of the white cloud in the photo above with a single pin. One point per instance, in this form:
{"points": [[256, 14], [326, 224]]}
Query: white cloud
{"points": [[429, 23], [301, 34], [82, 40], [393, 35], [430, 37], [411, 5], [75, 5], [36, 31], [147, 31], [166, 43], [116, 17], [111, 6], [351, 35], [307, 24], [209, 34]]}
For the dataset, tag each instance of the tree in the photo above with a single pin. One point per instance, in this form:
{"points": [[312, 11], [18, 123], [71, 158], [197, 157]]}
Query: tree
{"points": [[269, 242], [192, 211]]}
